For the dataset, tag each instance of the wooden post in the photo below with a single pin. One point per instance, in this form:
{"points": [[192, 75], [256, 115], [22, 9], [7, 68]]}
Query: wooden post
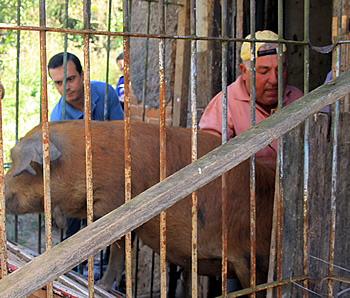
{"points": [[182, 67]]}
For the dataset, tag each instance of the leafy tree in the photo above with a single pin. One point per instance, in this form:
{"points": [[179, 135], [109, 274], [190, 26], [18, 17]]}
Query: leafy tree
{"points": [[28, 43]]}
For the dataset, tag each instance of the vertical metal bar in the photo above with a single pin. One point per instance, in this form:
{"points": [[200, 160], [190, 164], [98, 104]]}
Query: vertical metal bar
{"points": [[45, 138], [17, 90], [127, 141], [144, 85], [335, 125], [3, 240], [107, 62], [306, 145], [65, 65], [194, 252], [224, 51], [163, 271], [88, 136], [39, 232], [280, 151], [18, 65], [252, 205]]}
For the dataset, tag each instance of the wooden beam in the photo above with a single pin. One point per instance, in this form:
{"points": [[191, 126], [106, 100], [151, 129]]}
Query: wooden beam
{"points": [[182, 67], [158, 198]]}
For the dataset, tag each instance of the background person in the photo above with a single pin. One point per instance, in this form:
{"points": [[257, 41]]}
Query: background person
{"points": [[238, 93], [75, 103], [120, 85], [75, 92]]}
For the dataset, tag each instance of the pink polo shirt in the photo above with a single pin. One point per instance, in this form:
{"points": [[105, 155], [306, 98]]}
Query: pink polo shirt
{"points": [[238, 113]]}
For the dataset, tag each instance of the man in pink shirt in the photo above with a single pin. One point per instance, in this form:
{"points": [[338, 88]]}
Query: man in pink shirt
{"points": [[238, 93]]}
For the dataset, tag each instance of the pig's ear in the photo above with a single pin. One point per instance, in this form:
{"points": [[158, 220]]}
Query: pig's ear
{"points": [[34, 152]]}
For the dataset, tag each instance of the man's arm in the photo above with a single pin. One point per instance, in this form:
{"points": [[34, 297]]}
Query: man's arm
{"points": [[211, 120]]}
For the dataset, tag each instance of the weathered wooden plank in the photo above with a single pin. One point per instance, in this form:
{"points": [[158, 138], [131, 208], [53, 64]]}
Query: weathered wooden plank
{"points": [[150, 203], [319, 204]]}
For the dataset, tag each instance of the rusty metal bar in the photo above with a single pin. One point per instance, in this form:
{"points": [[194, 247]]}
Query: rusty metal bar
{"points": [[252, 203], [17, 95], [45, 138], [306, 147], [224, 51], [280, 151], [324, 50], [194, 152], [335, 126], [266, 286], [107, 60], [65, 65], [162, 142], [3, 240], [88, 137], [127, 142]]}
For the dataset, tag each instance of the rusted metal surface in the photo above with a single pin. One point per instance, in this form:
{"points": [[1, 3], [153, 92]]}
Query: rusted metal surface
{"points": [[252, 204], [162, 154], [3, 241], [127, 142], [266, 286], [194, 152], [166, 36], [88, 138], [224, 50], [306, 148], [335, 137], [45, 138], [280, 150]]}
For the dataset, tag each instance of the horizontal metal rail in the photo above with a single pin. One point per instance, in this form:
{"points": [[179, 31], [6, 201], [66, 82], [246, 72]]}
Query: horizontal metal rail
{"points": [[324, 49], [158, 198]]}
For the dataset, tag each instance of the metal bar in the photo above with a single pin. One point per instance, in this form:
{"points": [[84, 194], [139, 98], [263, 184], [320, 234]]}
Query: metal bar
{"points": [[65, 65], [45, 138], [17, 91], [266, 286], [162, 156], [39, 232], [194, 152], [280, 150], [224, 50], [252, 203], [107, 60], [3, 240], [325, 49], [335, 126], [127, 142], [88, 137], [306, 146]]}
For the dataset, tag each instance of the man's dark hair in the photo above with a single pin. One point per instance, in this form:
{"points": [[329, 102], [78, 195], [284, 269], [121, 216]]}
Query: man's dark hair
{"points": [[57, 61], [120, 56]]}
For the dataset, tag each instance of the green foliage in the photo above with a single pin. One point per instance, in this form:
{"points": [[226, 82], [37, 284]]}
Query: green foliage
{"points": [[27, 65]]}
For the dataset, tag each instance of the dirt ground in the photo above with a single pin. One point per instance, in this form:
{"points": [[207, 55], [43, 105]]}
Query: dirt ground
{"points": [[28, 231]]}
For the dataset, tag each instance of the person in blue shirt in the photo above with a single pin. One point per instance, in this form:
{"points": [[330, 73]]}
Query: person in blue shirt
{"points": [[75, 102], [120, 84], [75, 92]]}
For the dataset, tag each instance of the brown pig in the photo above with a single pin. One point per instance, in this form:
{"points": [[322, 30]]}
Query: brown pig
{"points": [[24, 190]]}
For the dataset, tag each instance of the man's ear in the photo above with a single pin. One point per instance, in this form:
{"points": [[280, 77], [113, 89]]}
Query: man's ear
{"points": [[244, 71]]}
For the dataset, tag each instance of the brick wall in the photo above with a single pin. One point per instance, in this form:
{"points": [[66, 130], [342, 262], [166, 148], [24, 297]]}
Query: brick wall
{"points": [[151, 114]]}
